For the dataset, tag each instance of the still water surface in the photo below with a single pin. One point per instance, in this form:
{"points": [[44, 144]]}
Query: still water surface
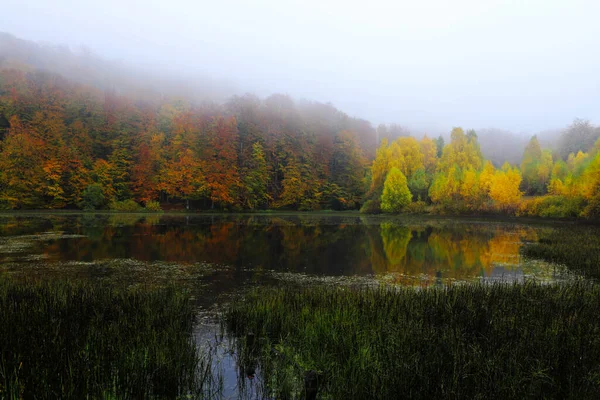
{"points": [[407, 251]]}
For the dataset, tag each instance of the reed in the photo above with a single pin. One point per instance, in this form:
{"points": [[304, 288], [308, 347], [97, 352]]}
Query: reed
{"points": [[77, 340], [576, 247], [464, 341]]}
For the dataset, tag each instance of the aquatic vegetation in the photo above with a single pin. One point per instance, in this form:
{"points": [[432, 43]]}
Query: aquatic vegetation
{"points": [[460, 341], [67, 340], [577, 247]]}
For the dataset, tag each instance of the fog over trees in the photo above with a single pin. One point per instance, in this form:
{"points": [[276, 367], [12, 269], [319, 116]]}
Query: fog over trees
{"points": [[206, 117]]}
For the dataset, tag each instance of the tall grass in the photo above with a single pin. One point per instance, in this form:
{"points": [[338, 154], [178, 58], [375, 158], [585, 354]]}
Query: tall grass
{"points": [[576, 247], [66, 340], [472, 341]]}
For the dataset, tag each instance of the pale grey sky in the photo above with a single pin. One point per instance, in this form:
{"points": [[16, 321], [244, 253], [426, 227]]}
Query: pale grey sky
{"points": [[426, 64]]}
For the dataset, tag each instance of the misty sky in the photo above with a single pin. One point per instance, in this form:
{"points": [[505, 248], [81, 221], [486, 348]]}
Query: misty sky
{"points": [[426, 64]]}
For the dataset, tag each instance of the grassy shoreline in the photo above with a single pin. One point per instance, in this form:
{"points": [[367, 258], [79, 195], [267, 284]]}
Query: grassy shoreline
{"points": [[75, 340], [578, 249], [467, 341]]}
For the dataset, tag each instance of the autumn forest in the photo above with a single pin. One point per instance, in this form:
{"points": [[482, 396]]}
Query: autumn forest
{"points": [[67, 145]]}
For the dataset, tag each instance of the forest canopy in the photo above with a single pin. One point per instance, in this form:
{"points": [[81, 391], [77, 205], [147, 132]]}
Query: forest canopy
{"points": [[75, 144]]}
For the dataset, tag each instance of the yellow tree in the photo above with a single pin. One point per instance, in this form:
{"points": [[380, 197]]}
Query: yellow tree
{"points": [[294, 186], [470, 190], [486, 178], [544, 171], [589, 182], [463, 151], [591, 188], [380, 167], [396, 194], [505, 187], [559, 174], [446, 186], [429, 152], [406, 155], [578, 162]]}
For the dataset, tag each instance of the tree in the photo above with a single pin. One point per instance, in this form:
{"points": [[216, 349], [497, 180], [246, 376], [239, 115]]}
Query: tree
{"points": [[419, 184], [532, 157], [579, 136], [347, 164], [144, 176], [396, 194], [380, 168], [294, 188], [256, 178], [505, 187], [406, 155], [102, 175], [429, 151], [220, 161], [463, 151], [120, 165], [591, 189], [470, 189], [93, 197], [536, 168], [23, 181], [184, 178], [445, 188], [439, 144]]}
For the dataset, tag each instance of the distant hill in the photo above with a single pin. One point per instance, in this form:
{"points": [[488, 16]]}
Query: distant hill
{"points": [[85, 67]]}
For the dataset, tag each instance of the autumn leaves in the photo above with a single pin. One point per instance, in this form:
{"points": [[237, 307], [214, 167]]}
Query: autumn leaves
{"points": [[459, 180]]}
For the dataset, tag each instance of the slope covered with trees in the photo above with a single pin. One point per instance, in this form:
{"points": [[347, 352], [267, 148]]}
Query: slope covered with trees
{"points": [[458, 179], [67, 145]]}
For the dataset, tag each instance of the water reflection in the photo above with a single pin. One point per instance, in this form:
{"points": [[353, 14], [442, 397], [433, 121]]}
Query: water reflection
{"points": [[404, 251]]}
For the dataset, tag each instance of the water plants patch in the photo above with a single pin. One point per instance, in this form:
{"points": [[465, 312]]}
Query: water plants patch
{"points": [[463, 341], [576, 247], [80, 340]]}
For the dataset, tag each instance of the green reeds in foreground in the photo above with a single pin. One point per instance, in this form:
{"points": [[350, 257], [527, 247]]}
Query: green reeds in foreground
{"points": [[64, 340], [576, 247], [471, 341]]}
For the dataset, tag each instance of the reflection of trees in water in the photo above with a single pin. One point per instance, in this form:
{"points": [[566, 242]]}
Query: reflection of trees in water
{"points": [[395, 243], [347, 245], [462, 252]]}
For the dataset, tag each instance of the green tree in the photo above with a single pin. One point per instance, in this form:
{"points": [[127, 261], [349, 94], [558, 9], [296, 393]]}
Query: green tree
{"points": [[396, 194], [439, 144], [93, 197], [419, 184], [532, 158], [347, 164], [256, 179], [120, 161]]}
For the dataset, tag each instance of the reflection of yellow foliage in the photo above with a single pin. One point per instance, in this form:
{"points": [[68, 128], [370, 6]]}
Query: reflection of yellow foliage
{"points": [[463, 254], [395, 242]]}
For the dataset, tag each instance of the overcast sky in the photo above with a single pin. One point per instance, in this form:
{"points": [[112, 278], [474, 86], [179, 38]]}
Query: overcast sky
{"points": [[426, 64]]}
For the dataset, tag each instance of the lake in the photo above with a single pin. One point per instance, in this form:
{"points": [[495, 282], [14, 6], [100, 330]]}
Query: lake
{"points": [[219, 256], [251, 248]]}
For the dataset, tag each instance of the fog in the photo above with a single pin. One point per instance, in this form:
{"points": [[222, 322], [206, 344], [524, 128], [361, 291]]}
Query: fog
{"points": [[522, 66]]}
